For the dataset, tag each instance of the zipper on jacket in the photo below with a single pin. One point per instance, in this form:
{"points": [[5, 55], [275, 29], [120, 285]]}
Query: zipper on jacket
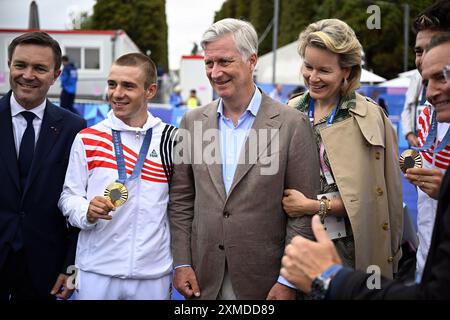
{"points": [[136, 212]]}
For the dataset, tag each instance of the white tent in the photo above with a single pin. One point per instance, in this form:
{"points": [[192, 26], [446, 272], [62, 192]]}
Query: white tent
{"points": [[288, 68], [402, 81], [409, 74], [370, 77]]}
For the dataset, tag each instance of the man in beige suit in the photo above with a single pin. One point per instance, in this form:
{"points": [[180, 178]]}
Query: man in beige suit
{"points": [[234, 158]]}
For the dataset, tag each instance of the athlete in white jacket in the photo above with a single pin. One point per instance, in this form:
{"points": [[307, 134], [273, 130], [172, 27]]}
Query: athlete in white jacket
{"points": [[123, 252]]}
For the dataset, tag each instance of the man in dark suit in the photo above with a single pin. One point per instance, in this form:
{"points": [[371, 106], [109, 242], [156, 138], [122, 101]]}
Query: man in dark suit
{"points": [[36, 244], [315, 267]]}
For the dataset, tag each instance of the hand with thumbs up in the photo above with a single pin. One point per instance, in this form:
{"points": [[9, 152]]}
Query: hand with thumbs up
{"points": [[304, 259]]}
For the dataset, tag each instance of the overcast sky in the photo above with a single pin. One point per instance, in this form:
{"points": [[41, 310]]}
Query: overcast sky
{"points": [[187, 20]]}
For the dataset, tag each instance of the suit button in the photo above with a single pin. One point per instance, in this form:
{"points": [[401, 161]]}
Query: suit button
{"points": [[226, 214], [385, 226], [221, 247], [390, 259], [377, 155], [380, 191]]}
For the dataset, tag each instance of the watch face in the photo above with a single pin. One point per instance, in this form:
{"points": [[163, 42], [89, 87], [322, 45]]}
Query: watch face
{"points": [[318, 290]]}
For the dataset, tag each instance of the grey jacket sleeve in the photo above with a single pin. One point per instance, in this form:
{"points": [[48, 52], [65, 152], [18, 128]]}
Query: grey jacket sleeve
{"points": [[303, 173], [182, 197]]}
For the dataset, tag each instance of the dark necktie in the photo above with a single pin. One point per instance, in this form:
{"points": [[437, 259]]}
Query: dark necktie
{"points": [[26, 149]]}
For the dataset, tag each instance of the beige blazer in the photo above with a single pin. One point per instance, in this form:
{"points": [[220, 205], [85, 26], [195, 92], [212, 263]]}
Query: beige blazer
{"points": [[363, 154], [246, 228]]}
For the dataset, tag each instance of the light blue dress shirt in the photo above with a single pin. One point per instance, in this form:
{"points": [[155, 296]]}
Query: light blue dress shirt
{"points": [[232, 138]]}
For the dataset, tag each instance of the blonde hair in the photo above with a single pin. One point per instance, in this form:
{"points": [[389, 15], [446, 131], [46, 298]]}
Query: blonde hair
{"points": [[336, 36]]}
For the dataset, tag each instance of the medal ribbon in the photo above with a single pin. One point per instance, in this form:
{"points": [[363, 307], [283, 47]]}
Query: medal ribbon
{"points": [[432, 136], [326, 171], [122, 171], [311, 113]]}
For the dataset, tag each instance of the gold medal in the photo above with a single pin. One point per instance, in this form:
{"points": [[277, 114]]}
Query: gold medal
{"points": [[117, 193], [410, 159]]}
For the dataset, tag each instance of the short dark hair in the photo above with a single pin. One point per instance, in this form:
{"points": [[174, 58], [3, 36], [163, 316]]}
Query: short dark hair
{"points": [[438, 39], [435, 17], [139, 60], [65, 58], [38, 38]]}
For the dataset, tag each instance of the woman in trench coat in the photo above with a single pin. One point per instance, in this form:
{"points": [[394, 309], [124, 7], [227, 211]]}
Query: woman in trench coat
{"points": [[360, 201]]}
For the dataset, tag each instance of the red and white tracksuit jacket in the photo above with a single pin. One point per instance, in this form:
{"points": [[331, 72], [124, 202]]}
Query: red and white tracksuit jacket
{"points": [[135, 244], [426, 206]]}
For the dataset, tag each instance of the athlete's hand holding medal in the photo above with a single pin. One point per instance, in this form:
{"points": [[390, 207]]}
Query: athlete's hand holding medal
{"points": [[99, 208], [428, 180], [116, 194]]}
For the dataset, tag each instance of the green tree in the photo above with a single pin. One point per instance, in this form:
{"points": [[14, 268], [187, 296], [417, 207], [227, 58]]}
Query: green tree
{"points": [[243, 9], [257, 12], [81, 20], [228, 10], [379, 45], [143, 20], [261, 14], [294, 17], [383, 47]]}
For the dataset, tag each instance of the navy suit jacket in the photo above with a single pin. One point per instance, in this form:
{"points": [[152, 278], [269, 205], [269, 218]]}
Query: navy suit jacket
{"points": [[31, 219], [435, 282]]}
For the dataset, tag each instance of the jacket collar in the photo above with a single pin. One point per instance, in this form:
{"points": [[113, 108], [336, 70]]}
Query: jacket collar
{"points": [[119, 125], [253, 106], [51, 128], [8, 150], [16, 108], [266, 118], [50, 131], [347, 102]]}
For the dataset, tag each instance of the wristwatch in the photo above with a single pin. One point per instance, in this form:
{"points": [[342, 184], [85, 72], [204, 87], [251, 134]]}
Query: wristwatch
{"points": [[319, 286], [324, 207]]}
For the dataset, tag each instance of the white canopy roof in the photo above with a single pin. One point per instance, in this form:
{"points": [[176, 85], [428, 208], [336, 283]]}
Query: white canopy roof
{"points": [[370, 77], [402, 81], [288, 68]]}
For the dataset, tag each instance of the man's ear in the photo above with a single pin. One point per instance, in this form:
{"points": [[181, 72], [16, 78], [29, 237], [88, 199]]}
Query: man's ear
{"points": [[253, 59], [56, 74], [150, 92]]}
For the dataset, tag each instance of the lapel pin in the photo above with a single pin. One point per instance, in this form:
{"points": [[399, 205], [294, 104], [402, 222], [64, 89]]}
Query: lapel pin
{"points": [[55, 130]]}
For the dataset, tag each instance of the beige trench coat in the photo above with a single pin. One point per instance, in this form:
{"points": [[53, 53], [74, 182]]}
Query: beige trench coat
{"points": [[363, 154]]}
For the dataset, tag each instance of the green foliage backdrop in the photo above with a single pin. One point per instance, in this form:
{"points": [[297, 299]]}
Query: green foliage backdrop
{"points": [[143, 20], [383, 47]]}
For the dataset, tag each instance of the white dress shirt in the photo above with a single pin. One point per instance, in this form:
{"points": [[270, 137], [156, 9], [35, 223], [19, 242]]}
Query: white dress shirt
{"points": [[20, 124]]}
